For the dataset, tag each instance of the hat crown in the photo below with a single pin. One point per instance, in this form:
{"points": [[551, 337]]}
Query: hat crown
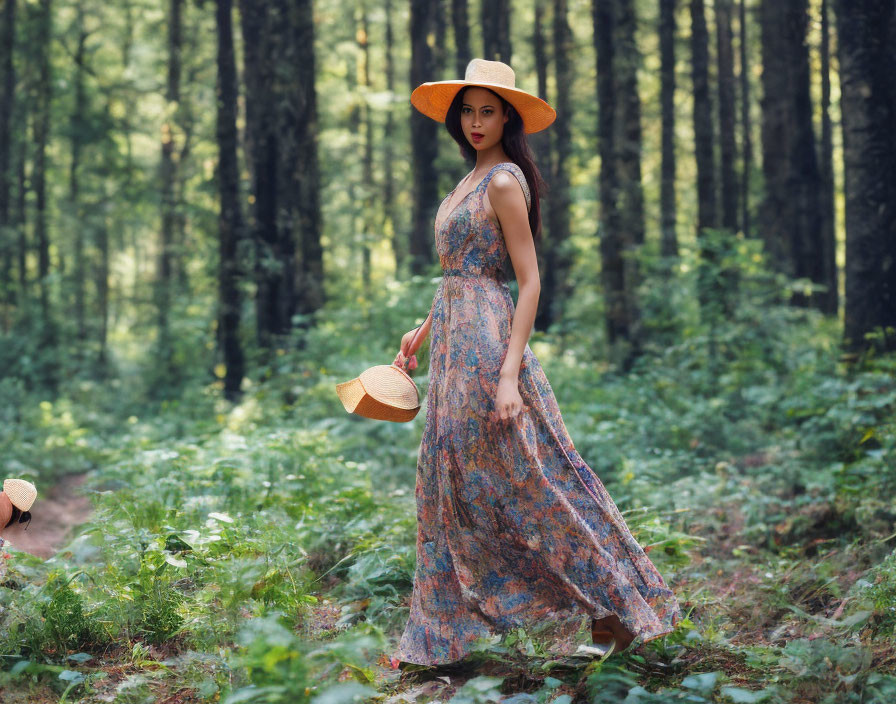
{"points": [[494, 72], [389, 384], [20, 492]]}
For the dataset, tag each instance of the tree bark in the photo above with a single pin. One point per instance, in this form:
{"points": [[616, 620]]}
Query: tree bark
{"points": [[746, 124], [230, 221], [304, 181], [557, 255], [707, 214], [39, 181], [628, 154], [462, 51], [710, 293], [367, 163], [830, 299], [866, 32], [619, 232], [668, 207], [791, 210], [541, 148], [261, 137], [77, 135], [7, 70], [168, 186], [424, 142], [390, 212], [496, 30], [728, 143]]}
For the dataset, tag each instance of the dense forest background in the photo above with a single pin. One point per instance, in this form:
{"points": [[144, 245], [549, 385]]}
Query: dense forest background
{"points": [[210, 213]]}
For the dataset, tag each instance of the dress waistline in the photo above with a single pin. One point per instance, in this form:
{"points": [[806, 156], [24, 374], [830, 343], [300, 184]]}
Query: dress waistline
{"points": [[471, 274]]}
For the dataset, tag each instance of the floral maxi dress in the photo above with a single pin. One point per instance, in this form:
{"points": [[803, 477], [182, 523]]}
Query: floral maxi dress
{"points": [[513, 527]]}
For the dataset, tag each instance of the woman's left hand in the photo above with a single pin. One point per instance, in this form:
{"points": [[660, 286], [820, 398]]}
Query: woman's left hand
{"points": [[508, 402]]}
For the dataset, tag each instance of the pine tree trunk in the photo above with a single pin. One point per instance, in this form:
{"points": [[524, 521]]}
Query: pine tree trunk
{"points": [[367, 165], [746, 125], [496, 30], [169, 177], [709, 293], [668, 208], [866, 35], [728, 144], [557, 255], [461, 25], [7, 71], [306, 288], [707, 214], [230, 221], [628, 155], [77, 124], [391, 223], [791, 210], [614, 239], [541, 147], [424, 142], [258, 57], [829, 299], [39, 181]]}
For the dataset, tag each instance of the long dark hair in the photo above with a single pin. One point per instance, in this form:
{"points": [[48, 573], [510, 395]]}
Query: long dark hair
{"points": [[19, 516], [515, 144]]}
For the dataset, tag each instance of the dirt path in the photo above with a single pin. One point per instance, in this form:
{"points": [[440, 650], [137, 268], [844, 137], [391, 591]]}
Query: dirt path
{"points": [[55, 513]]}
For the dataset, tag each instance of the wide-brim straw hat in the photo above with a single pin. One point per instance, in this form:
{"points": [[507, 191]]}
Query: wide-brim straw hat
{"points": [[20, 492], [383, 392], [434, 98]]}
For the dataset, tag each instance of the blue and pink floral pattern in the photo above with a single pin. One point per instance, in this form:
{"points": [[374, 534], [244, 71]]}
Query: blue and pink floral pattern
{"points": [[513, 527]]}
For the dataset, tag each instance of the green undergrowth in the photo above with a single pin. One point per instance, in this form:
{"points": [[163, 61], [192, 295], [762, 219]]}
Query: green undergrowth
{"points": [[264, 551]]}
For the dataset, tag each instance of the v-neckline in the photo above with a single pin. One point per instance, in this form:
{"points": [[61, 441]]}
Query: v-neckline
{"points": [[476, 188]]}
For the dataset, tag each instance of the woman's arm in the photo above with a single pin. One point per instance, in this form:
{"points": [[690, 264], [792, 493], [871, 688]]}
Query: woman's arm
{"points": [[509, 202]]}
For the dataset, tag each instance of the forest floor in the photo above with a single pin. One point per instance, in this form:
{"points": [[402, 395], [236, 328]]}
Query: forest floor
{"points": [[264, 551]]}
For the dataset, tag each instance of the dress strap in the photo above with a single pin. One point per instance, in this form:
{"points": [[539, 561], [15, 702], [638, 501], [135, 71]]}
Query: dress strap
{"points": [[516, 171]]}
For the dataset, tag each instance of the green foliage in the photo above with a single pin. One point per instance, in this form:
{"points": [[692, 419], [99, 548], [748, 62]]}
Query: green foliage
{"points": [[66, 624]]}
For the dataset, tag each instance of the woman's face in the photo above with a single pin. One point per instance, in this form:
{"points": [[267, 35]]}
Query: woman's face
{"points": [[482, 118]]}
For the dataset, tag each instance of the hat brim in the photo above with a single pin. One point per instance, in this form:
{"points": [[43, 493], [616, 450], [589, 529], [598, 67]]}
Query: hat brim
{"points": [[434, 98]]}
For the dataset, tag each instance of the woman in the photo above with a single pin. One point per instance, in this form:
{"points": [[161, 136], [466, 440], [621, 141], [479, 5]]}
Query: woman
{"points": [[16, 500], [513, 528]]}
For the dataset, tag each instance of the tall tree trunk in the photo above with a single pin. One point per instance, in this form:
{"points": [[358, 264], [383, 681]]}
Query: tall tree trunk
{"points": [[7, 70], [77, 125], [628, 154], [231, 217], [616, 241], [367, 164], [668, 208], [865, 37], [728, 144], [463, 53], [707, 213], [496, 30], [101, 276], [39, 181], [557, 255], [169, 176], [21, 214], [746, 124], [424, 141], [390, 211], [541, 148], [311, 283], [829, 299], [262, 152], [708, 288], [791, 210]]}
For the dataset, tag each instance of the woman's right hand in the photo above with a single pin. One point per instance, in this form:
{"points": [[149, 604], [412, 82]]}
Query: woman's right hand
{"points": [[405, 350]]}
